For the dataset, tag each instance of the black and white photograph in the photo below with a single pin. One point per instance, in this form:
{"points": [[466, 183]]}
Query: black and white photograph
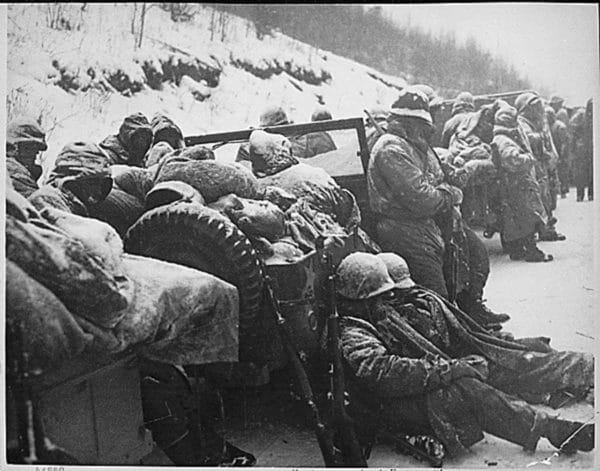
{"points": [[299, 235]]}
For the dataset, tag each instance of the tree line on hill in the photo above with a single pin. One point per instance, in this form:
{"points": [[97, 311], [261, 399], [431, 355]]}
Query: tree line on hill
{"points": [[368, 37]]}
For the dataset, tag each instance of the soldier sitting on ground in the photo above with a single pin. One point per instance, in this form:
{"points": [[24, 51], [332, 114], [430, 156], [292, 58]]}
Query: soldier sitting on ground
{"points": [[421, 366]]}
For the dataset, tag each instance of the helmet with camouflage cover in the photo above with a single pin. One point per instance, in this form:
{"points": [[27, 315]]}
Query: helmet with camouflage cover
{"points": [[397, 269], [273, 116], [362, 276], [524, 100]]}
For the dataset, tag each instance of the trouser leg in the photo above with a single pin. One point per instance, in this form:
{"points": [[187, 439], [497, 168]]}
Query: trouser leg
{"points": [[499, 414], [546, 373], [479, 266], [424, 257]]}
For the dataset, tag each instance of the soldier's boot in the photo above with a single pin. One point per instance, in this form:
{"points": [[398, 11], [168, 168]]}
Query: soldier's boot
{"points": [[549, 232], [487, 317], [515, 249], [171, 413], [475, 306], [534, 254], [580, 193], [569, 436]]}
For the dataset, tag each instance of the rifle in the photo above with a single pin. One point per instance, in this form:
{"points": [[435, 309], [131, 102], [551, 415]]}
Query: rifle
{"points": [[323, 437], [375, 124], [453, 252], [344, 425]]}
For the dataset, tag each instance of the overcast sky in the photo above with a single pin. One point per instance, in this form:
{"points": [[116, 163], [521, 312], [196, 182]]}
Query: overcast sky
{"points": [[553, 44]]}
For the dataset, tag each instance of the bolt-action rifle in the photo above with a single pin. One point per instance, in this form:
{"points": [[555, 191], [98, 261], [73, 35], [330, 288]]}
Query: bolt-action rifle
{"points": [[323, 437], [343, 424]]}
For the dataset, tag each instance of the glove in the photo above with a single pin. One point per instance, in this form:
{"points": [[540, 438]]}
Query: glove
{"points": [[463, 369], [455, 193]]}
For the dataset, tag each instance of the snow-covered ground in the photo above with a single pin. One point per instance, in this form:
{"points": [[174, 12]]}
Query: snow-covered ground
{"points": [[556, 299], [41, 58]]}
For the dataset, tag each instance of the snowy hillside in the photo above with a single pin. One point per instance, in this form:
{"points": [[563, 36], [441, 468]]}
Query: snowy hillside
{"points": [[78, 68]]}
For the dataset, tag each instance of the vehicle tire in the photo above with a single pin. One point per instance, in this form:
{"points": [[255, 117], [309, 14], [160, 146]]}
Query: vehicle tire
{"points": [[198, 237]]}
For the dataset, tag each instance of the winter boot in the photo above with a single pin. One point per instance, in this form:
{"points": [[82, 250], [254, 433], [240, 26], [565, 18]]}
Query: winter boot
{"points": [[481, 311], [568, 436], [534, 254], [515, 249]]}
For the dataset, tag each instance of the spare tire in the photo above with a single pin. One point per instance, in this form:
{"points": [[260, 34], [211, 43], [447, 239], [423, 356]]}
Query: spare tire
{"points": [[198, 237]]}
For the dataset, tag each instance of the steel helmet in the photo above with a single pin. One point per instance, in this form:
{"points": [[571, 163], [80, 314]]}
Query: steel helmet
{"points": [[273, 116], [397, 269], [432, 96], [525, 99], [556, 99], [361, 276]]}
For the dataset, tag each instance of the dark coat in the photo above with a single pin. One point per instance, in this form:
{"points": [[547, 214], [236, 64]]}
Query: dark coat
{"points": [[404, 181], [312, 144], [393, 358], [77, 161], [120, 148], [451, 126], [22, 179], [522, 210], [582, 149]]}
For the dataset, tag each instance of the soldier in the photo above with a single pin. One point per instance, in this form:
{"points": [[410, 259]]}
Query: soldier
{"points": [[317, 142], [471, 141], [522, 211], [531, 119], [421, 366], [130, 145], [24, 142], [409, 196], [582, 151], [556, 102], [80, 179], [560, 137], [165, 130], [464, 104]]}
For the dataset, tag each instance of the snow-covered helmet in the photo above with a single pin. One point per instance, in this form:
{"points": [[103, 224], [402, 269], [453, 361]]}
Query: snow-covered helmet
{"points": [[273, 116], [361, 276], [397, 269], [524, 100]]}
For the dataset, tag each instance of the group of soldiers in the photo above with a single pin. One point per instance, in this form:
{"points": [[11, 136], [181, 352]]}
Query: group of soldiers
{"points": [[423, 351]]}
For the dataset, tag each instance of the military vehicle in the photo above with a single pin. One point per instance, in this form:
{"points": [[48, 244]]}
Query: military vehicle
{"points": [[91, 407]]}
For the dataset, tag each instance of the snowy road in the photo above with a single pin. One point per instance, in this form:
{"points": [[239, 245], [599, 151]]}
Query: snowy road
{"points": [[553, 299]]}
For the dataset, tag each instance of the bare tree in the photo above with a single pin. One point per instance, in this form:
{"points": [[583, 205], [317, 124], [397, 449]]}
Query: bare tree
{"points": [[138, 21]]}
